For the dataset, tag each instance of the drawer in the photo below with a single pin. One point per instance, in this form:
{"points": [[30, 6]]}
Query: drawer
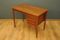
{"points": [[31, 23], [31, 17], [32, 20]]}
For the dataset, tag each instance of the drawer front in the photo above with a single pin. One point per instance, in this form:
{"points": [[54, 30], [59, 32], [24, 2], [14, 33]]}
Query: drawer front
{"points": [[31, 17], [32, 20], [31, 23]]}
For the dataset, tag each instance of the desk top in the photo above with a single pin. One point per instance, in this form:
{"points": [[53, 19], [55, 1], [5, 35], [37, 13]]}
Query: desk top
{"points": [[33, 10]]}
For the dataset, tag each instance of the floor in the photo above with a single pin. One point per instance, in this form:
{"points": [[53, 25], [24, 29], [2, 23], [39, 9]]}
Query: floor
{"points": [[23, 32]]}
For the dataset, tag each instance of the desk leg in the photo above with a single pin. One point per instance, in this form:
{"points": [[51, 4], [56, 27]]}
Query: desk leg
{"points": [[44, 21], [14, 18], [36, 29], [36, 32]]}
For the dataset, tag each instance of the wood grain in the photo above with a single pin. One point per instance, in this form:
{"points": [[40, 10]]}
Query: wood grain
{"points": [[23, 32], [27, 8]]}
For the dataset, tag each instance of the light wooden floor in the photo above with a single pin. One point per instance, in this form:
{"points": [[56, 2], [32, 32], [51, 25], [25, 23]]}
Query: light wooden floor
{"points": [[23, 32]]}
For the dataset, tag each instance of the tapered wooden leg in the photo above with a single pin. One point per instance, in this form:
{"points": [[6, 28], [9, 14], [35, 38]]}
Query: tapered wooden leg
{"points": [[44, 24], [36, 29], [44, 21], [36, 32], [14, 18]]}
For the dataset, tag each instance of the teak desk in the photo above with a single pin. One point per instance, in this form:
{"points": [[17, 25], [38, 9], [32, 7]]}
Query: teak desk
{"points": [[34, 15]]}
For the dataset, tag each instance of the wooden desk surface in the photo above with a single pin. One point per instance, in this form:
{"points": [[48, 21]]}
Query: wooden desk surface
{"points": [[30, 9]]}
